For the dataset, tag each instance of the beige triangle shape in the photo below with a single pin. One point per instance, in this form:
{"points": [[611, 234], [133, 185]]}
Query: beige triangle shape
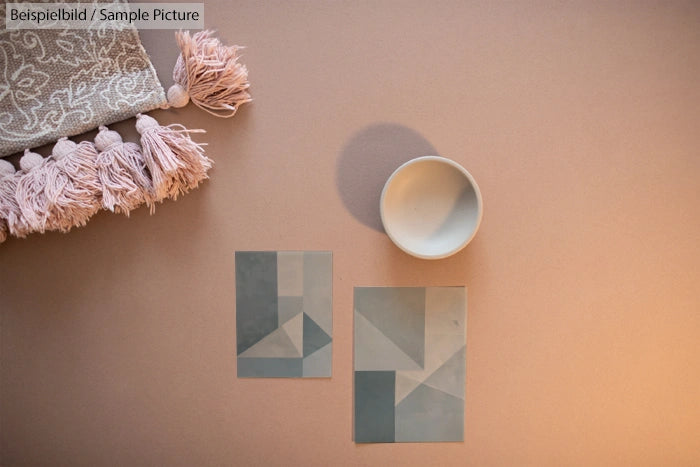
{"points": [[277, 344], [295, 330], [403, 387]]}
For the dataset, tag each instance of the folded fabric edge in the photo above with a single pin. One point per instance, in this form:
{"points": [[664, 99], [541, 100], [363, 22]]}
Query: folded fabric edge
{"points": [[9, 148]]}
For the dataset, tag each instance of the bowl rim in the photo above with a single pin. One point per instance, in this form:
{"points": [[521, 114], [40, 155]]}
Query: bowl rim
{"points": [[472, 182]]}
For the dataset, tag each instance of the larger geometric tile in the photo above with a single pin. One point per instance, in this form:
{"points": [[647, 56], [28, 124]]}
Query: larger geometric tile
{"points": [[284, 316], [409, 362]]}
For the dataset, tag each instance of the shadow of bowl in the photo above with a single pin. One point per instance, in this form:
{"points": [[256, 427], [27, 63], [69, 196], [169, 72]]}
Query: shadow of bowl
{"points": [[366, 162]]}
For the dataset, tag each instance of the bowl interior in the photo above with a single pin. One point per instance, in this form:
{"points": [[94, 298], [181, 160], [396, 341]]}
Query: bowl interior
{"points": [[431, 207]]}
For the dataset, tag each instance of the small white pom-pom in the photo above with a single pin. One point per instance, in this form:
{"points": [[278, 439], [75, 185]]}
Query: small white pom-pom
{"points": [[144, 122], [62, 148], [177, 96], [6, 168], [106, 137], [30, 160]]}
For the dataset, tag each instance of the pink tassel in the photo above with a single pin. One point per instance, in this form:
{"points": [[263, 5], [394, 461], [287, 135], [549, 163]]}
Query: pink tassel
{"points": [[63, 191], [18, 224], [8, 204], [36, 190], [122, 172], [208, 73], [176, 163], [81, 197]]}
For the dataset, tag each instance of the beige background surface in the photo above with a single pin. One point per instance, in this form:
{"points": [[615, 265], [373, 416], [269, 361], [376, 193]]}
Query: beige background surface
{"points": [[578, 119]]}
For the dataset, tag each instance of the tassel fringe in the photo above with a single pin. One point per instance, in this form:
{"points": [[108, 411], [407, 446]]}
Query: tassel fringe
{"points": [[208, 73], [176, 163], [37, 190], [121, 168], [81, 196], [65, 189]]}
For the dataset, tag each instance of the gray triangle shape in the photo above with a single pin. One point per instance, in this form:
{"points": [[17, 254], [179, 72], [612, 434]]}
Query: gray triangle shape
{"points": [[314, 336], [399, 313], [374, 351]]}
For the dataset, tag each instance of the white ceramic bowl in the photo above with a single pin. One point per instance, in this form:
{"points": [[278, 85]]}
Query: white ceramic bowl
{"points": [[431, 207]]}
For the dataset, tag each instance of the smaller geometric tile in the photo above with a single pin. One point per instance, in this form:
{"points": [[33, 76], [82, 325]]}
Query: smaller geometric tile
{"points": [[284, 313]]}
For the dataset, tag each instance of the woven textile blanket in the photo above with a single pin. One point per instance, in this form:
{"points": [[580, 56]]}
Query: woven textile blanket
{"points": [[64, 82]]}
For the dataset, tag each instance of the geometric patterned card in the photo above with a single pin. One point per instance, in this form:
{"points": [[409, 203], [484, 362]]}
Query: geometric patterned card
{"points": [[409, 363], [284, 317]]}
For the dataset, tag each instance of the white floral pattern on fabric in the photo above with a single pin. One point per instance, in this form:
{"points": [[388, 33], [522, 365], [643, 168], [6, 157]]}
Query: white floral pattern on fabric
{"points": [[56, 83]]}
